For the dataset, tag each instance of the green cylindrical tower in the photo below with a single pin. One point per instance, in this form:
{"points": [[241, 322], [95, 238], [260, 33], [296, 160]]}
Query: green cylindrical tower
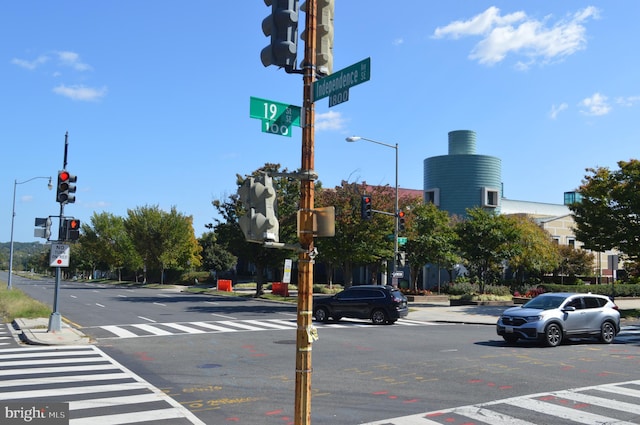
{"points": [[462, 179]]}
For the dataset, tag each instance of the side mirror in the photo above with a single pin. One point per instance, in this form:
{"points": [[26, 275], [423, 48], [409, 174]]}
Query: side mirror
{"points": [[569, 308]]}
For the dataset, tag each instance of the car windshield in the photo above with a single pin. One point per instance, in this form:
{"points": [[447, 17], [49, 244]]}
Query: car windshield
{"points": [[545, 303]]}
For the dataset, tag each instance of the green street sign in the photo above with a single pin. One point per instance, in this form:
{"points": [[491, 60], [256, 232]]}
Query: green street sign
{"points": [[276, 117], [339, 82], [402, 240]]}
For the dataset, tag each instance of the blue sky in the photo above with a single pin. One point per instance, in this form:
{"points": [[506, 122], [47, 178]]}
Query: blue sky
{"points": [[155, 97]]}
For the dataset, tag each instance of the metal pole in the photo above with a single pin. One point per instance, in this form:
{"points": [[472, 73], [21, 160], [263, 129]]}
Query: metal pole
{"points": [[55, 320], [394, 279], [302, 412], [13, 216]]}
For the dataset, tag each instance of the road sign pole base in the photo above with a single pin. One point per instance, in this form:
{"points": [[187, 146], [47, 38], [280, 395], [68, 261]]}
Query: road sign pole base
{"points": [[55, 322]]}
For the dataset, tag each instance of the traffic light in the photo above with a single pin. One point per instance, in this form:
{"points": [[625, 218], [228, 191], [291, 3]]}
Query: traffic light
{"points": [[260, 222], [324, 36], [265, 220], [71, 229], [366, 213], [45, 228], [66, 187], [401, 221], [282, 27], [244, 193]]}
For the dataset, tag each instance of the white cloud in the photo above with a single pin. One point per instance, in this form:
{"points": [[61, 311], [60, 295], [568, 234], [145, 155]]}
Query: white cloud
{"points": [[595, 105], [628, 100], [516, 33], [30, 64], [72, 59], [398, 41], [329, 121], [80, 92], [556, 109]]}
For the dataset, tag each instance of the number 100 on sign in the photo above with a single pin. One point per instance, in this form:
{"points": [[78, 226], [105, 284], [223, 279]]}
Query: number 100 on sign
{"points": [[276, 127]]}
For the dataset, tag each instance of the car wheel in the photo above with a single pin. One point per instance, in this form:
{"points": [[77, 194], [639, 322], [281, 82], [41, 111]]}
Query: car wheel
{"points": [[379, 317], [607, 332], [553, 335], [321, 314], [510, 338]]}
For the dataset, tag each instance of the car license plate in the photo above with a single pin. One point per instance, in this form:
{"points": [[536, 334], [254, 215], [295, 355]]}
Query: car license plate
{"points": [[508, 329]]}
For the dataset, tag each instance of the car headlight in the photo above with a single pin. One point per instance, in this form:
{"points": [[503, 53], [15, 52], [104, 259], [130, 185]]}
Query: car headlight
{"points": [[533, 318]]}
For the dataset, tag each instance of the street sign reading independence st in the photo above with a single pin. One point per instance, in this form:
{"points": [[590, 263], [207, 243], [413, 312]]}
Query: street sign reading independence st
{"points": [[339, 82]]}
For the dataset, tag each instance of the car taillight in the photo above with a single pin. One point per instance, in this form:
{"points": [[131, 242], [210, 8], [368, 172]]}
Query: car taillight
{"points": [[615, 307]]}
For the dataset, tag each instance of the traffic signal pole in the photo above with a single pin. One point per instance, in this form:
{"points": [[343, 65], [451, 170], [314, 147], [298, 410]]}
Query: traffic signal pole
{"points": [[55, 320], [304, 340]]}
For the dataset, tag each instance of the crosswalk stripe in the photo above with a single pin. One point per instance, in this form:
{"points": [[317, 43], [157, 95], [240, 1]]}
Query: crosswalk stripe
{"points": [[268, 324], [241, 325], [574, 415], [112, 401], [553, 404], [184, 328], [33, 371], [152, 329], [598, 401], [214, 327], [43, 374], [126, 418], [486, 415], [118, 331]]}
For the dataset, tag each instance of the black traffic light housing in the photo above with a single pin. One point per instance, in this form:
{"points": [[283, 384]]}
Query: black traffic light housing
{"points": [[66, 187], [71, 229], [401, 223], [366, 212]]}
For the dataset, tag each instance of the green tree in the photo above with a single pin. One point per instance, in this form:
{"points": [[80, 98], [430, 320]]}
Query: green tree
{"points": [[573, 262], [214, 255], [431, 239], [487, 241], [607, 215], [356, 241], [538, 252], [163, 240], [107, 244]]}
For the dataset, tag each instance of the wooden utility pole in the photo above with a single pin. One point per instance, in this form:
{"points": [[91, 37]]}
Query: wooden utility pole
{"points": [[304, 339]]}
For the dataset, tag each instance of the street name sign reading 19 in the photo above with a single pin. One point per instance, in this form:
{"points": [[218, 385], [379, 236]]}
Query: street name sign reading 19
{"points": [[337, 84], [277, 118]]}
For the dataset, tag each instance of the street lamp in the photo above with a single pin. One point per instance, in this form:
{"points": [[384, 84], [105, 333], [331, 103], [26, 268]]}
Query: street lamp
{"points": [[13, 216], [395, 213]]}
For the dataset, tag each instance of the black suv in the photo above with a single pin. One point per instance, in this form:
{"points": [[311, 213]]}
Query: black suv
{"points": [[381, 304]]}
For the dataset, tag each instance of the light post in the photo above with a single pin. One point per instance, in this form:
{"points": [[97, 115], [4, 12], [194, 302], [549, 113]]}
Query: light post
{"points": [[395, 212], [13, 216]]}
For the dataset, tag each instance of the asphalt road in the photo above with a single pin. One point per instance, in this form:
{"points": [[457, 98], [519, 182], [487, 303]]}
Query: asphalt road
{"points": [[240, 366]]}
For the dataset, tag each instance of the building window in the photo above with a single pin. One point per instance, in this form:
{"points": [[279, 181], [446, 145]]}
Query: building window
{"points": [[490, 197], [572, 198], [571, 242], [432, 196], [556, 240]]}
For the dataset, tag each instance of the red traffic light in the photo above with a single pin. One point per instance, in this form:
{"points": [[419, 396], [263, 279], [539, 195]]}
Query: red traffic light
{"points": [[74, 224], [401, 214], [63, 176]]}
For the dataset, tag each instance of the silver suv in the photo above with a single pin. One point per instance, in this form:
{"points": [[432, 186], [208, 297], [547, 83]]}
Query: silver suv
{"points": [[552, 317]]}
